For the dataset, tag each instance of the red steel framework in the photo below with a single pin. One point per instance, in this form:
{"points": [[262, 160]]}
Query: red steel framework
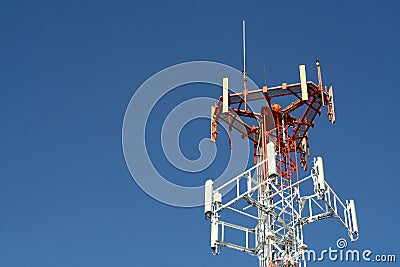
{"points": [[286, 126]]}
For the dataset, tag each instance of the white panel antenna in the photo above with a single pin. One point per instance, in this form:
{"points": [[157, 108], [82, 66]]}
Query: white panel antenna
{"points": [[320, 181], [208, 200], [271, 159], [303, 82], [331, 111], [214, 236], [225, 95], [354, 222]]}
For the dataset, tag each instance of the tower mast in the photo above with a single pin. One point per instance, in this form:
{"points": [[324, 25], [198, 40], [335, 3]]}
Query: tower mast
{"points": [[271, 197]]}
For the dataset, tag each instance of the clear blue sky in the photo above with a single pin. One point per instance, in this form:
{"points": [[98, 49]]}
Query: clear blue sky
{"points": [[69, 68]]}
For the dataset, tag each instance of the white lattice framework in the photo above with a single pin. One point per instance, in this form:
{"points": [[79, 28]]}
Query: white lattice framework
{"points": [[275, 216]]}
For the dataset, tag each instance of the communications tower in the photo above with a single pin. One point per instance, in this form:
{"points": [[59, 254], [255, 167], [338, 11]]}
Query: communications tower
{"points": [[266, 204]]}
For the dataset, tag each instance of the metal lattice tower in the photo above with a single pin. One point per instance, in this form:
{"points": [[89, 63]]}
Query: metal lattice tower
{"points": [[265, 202]]}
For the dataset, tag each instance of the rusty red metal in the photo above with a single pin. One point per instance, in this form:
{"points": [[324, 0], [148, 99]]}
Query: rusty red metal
{"points": [[285, 125]]}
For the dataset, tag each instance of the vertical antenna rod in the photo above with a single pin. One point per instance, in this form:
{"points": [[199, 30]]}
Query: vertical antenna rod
{"points": [[244, 50], [244, 66]]}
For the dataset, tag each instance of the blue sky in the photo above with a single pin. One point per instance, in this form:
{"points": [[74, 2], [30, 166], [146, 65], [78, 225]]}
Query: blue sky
{"points": [[69, 68]]}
